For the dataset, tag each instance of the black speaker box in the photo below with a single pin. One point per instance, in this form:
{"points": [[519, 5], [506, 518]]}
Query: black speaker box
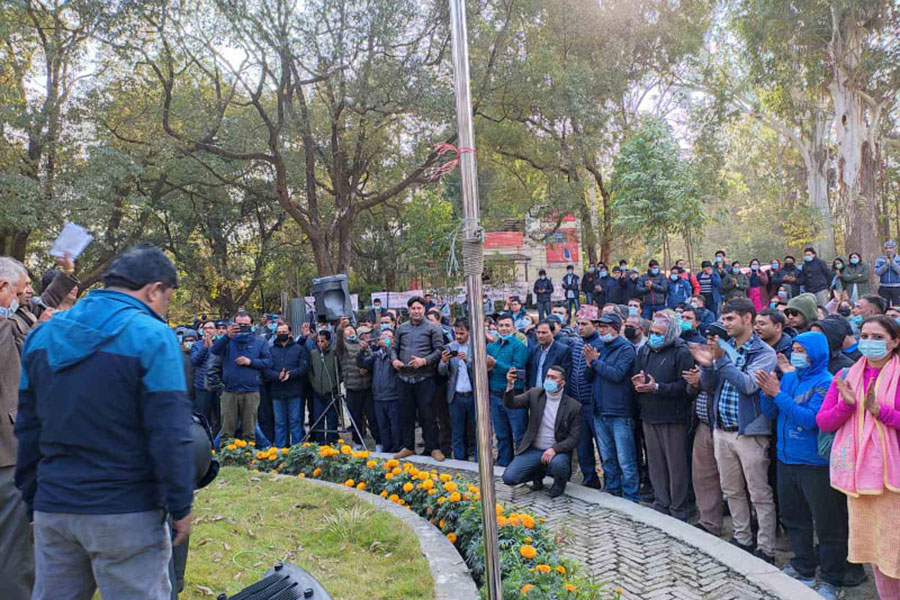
{"points": [[332, 297], [283, 582]]}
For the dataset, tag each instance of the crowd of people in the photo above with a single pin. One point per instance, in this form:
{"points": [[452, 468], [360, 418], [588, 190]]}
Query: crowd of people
{"points": [[771, 390]]}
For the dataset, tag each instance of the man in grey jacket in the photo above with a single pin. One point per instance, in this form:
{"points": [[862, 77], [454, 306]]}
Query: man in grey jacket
{"points": [[457, 367], [741, 431], [415, 354]]}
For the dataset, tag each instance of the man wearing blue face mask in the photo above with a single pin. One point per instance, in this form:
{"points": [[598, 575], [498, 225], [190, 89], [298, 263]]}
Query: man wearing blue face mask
{"points": [[815, 276], [653, 289], [554, 426], [679, 288], [609, 369], [665, 410], [572, 289], [543, 291], [588, 280], [604, 286], [505, 353]]}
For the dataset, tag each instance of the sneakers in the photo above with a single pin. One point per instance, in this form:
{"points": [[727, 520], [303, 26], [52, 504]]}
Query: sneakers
{"points": [[790, 571], [556, 490], [827, 591], [764, 556], [438, 455], [537, 485], [751, 547], [404, 453], [594, 484]]}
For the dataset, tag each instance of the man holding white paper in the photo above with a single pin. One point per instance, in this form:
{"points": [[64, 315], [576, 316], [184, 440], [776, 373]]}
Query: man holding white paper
{"points": [[30, 310]]}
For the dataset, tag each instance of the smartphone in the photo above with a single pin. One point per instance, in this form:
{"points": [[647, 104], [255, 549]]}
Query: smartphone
{"points": [[453, 353], [520, 374], [245, 328]]}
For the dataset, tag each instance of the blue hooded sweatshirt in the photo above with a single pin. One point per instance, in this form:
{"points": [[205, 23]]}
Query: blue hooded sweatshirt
{"points": [[796, 406], [104, 418]]}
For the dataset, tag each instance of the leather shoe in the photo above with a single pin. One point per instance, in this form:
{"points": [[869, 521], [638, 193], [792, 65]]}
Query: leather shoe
{"points": [[403, 454], [438, 455]]}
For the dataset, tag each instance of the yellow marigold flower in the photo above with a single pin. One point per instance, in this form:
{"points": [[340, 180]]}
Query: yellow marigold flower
{"points": [[441, 523], [401, 501], [383, 493], [454, 497], [301, 475], [441, 500], [526, 588], [285, 450], [261, 455], [393, 497], [231, 447], [499, 509], [445, 477], [527, 521], [306, 444], [450, 486], [414, 472], [569, 588], [515, 521], [346, 449], [452, 537], [340, 441], [361, 486], [561, 570], [473, 489], [528, 540], [272, 457], [371, 463], [397, 471], [349, 483], [391, 463], [619, 591], [317, 472], [388, 476], [240, 443], [543, 568], [252, 444], [527, 551], [502, 521], [427, 484], [407, 487], [363, 454], [432, 492]]}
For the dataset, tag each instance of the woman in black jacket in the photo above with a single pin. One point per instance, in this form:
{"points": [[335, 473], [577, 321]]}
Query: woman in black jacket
{"points": [[665, 412]]}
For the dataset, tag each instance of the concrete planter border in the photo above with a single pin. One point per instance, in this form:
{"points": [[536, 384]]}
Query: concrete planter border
{"points": [[758, 572], [452, 579]]}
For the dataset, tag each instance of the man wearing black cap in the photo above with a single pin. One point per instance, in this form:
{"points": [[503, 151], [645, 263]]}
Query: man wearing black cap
{"points": [[105, 447]]}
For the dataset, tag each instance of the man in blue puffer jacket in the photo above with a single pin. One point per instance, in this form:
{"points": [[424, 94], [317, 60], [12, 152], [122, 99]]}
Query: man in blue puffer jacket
{"points": [[579, 387], [105, 444], [610, 371], [804, 488]]}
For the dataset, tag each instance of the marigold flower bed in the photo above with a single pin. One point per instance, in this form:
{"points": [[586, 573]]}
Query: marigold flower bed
{"points": [[529, 559]]}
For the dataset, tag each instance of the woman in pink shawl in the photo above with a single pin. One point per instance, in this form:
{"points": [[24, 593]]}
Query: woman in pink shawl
{"points": [[862, 407]]}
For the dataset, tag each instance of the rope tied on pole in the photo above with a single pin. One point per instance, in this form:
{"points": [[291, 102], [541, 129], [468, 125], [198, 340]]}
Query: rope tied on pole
{"points": [[473, 248]]}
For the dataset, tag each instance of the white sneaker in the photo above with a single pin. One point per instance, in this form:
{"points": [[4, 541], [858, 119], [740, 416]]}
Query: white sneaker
{"points": [[378, 448]]}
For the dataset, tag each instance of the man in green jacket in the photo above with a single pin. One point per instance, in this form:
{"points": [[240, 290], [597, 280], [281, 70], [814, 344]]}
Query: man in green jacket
{"points": [[325, 380]]}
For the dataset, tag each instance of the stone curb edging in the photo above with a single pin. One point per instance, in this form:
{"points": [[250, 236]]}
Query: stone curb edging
{"points": [[758, 572], [452, 579]]}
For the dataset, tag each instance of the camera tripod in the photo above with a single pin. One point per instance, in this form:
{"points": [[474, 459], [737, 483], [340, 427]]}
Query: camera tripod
{"points": [[337, 401]]}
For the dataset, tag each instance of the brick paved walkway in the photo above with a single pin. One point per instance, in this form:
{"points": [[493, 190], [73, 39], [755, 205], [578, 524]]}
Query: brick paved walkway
{"points": [[632, 553]]}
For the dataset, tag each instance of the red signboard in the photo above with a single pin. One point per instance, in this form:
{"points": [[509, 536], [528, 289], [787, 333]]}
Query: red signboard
{"points": [[562, 246], [503, 239]]}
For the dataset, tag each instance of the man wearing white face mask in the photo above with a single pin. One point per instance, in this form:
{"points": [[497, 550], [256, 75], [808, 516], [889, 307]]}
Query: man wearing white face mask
{"points": [[554, 426], [16, 548]]}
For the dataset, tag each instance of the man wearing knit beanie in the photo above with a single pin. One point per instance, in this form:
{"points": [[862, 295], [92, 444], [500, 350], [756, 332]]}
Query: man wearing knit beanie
{"points": [[801, 312]]}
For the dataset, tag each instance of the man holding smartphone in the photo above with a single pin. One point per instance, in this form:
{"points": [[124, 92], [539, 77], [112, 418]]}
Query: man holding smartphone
{"points": [[244, 357], [504, 353]]}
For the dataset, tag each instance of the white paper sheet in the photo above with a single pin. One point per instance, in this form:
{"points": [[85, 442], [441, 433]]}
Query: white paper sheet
{"points": [[73, 239]]}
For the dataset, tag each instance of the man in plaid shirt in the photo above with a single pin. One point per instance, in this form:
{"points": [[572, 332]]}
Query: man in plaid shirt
{"points": [[741, 431]]}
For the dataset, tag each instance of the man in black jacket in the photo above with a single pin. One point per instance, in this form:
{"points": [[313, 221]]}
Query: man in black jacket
{"points": [[554, 427], [665, 412], [588, 280], [543, 290], [815, 276], [286, 377]]}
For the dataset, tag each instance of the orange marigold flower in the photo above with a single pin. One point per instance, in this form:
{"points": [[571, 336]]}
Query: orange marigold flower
{"points": [[543, 568], [450, 486], [391, 463], [527, 521], [441, 500], [454, 497], [526, 588], [561, 570], [569, 588], [317, 472], [301, 475], [388, 476], [441, 523], [393, 497], [350, 483], [452, 537], [445, 477], [383, 493], [527, 551], [502, 521], [515, 521], [407, 487], [346, 449], [361, 486], [371, 463]]}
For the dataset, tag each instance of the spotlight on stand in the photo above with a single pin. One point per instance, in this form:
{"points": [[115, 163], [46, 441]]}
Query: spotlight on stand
{"points": [[282, 582]]}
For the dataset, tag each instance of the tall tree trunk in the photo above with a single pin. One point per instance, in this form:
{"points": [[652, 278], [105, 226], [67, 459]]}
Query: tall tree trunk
{"points": [[816, 159]]}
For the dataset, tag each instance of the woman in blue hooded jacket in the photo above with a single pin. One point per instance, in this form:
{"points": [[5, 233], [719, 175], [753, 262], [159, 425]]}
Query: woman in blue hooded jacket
{"points": [[805, 495]]}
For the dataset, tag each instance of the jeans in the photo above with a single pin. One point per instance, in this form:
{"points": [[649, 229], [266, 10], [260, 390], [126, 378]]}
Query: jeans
{"points": [[543, 310], [16, 546], [387, 415], [649, 309], [808, 502], [572, 306], [891, 294], [462, 414], [203, 403], [326, 429], [509, 428], [415, 401], [615, 438], [125, 555], [262, 442], [588, 298], [586, 460], [527, 466], [288, 421]]}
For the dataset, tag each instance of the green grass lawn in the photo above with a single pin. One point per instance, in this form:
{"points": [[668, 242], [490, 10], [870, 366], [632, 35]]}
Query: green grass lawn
{"points": [[245, 522]]}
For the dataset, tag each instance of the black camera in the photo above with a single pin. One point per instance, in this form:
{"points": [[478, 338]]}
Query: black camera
{"points": [[719, 330]]}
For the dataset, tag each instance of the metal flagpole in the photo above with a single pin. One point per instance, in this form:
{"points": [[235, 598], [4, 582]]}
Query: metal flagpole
{"points": [[473, 266]]}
